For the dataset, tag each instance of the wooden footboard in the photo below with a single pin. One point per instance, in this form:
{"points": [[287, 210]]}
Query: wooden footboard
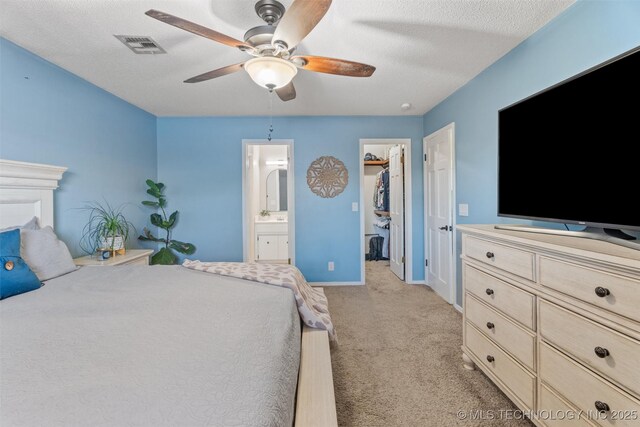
{"points": [[315, 399]]}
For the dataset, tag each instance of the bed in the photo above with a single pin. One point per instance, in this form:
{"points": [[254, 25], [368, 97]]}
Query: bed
{"points": [[162, 345]]}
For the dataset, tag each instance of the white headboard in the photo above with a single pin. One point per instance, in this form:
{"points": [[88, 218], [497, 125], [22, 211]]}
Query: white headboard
{"points": [[26, 190]]}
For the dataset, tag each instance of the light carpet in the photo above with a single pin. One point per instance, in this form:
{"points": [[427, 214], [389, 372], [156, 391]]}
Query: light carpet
{"points": [[399, 363]]}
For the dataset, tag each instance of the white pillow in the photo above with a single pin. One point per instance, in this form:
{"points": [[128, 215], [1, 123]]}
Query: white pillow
{"points": [[45, 254], [31, 225]]}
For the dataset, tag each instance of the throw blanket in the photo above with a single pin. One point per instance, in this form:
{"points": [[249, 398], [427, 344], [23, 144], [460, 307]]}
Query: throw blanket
{"points": [[312, 304]]}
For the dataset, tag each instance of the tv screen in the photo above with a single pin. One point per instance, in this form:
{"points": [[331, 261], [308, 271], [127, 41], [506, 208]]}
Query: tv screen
{"points": [[570, 153]]}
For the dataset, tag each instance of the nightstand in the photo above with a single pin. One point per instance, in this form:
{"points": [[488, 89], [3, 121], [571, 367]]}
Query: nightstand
{"points": [[131, 257]]}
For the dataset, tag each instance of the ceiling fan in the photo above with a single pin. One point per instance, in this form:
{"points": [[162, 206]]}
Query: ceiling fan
{"points": [[273, 65]]}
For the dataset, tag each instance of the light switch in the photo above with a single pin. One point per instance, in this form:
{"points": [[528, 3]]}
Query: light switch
{"points": [[331, 266], [354, 206], [463, 209]]}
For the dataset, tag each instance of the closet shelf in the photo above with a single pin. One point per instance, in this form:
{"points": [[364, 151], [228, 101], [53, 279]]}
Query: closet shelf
{"points": [[381, 213], [382, 163]]}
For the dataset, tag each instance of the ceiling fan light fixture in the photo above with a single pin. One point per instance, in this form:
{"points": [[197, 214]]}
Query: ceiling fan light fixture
{"points": [[273, 66], [270, 72]]}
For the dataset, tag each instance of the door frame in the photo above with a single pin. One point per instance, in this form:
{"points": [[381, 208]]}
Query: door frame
{"points": [[291, 217], [453, 265], [408, 204]]}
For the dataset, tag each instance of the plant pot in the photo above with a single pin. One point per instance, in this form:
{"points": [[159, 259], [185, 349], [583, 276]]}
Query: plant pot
{"points": [[114, 243]]}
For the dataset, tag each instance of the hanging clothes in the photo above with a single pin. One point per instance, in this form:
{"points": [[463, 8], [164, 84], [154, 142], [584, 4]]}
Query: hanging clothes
{"points": [[381, 191]]}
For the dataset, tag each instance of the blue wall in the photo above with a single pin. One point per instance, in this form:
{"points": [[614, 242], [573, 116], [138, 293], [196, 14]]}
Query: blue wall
{"points": [[585, 35], [48, 115], [200, 161]]}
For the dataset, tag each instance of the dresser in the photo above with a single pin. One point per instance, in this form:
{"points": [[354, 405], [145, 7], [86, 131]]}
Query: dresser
{"points": [[130, 257], [554, 321]]}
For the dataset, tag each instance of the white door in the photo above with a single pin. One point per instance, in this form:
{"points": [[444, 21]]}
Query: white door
{"points": [[438, 187], [396, 211]]}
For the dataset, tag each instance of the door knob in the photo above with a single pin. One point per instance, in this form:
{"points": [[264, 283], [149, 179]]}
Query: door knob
{"points": [[602, 407], [445, 228]]}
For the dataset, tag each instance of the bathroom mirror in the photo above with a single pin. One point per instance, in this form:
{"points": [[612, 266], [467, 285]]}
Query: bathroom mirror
{"points": [[277, 190]]}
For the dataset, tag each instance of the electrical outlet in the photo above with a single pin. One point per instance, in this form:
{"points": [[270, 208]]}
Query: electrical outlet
{"points": [[463, 209], [354, 206], [331, 266]]}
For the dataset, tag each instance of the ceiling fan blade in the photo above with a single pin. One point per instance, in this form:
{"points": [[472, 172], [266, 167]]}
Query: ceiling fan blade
{"points": [[287, 93], [298, 21], [341, 67], [197, 29], [229, 69]]}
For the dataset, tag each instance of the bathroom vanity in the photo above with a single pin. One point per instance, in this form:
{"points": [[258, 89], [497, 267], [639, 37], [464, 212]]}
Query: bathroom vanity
{"points": [[272, 238]]}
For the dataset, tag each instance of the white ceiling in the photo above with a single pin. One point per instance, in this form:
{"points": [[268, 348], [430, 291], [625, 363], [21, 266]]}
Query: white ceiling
{"points": [[423, 50]]}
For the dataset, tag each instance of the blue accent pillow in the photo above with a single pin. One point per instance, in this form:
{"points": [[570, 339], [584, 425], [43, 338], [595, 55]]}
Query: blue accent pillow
{"points": [[15, 275]]}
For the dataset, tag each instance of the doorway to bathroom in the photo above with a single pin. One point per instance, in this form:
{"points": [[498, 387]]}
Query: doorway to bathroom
{"points": [[268, 201]]}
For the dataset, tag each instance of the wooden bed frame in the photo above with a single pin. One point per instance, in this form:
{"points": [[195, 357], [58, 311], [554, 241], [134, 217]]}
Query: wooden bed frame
{"points": [[315, 399], [26, 190]]}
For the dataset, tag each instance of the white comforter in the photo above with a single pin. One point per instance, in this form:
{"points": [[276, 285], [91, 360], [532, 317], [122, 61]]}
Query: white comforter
{"points": [[149, 346]]}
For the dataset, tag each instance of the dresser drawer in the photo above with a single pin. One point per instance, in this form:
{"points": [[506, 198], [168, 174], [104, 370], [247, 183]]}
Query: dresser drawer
{"points": [[584, 389], [555, 411], [517, 379], [506, 258], [511, 337], [579, 337], [514, 302], [581, 282]]}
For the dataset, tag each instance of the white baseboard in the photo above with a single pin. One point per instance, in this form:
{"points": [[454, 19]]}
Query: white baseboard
{"points": [[416, 282], [457, 307], [323, 284]]}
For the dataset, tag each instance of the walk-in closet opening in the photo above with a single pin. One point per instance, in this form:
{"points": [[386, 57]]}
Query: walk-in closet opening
{"points": [[385, 205], [268, 201]]}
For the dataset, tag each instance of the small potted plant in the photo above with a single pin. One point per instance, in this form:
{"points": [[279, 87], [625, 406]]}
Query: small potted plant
{"points": [[106, 229]]}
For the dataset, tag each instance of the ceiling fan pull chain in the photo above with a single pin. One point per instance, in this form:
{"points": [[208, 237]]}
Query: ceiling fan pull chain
{"points": [[270, 114]]}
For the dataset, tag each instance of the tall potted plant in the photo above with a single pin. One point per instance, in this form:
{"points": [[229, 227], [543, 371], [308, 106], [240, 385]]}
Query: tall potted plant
{"points": [[107, 228], [165, 255]]}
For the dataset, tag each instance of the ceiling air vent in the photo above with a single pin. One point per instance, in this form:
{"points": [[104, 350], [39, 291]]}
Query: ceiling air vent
{"points": [[141, 45]]}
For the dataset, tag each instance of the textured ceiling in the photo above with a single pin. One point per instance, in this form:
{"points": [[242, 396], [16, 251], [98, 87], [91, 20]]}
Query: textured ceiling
{"points": [[423, 50]]}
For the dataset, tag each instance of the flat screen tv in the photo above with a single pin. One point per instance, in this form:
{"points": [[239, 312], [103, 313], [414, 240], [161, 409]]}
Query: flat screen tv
{"points": [[571, 153]]}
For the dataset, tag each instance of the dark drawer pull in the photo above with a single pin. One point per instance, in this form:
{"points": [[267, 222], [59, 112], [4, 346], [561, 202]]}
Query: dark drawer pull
{"points": [[490, 255], [602, 407], [602, 292], [490, 359], [601, 352], [489, 291], [490, 325]]}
